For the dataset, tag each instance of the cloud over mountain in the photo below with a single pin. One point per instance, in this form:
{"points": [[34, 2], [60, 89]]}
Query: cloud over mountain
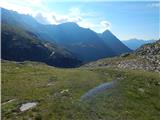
{"points": [[44, 15], [40, 18], [105, 24]]}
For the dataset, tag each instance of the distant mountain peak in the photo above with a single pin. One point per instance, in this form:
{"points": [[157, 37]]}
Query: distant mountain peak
{"points": [[136, 43], [107, 32], [109, 38]]}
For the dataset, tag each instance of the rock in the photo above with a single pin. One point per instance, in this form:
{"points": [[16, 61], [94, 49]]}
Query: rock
{"points": [[27, 106], [141, 90], [64, 91], [124, 55]]}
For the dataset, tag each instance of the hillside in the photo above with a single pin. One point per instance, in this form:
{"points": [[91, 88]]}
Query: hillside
{"points": [[20, 45], [84, 43], [57, 92], [146, 57], [66, 60], [115, 44]]}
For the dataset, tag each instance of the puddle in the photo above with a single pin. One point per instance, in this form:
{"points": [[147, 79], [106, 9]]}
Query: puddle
{"points": [[98, 89], [27, 106]]}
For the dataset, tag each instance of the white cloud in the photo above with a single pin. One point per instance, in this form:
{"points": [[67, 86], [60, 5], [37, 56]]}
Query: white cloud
{"points": [[23, 6], [87, 24], [40, 18], [105, 24], [98, 27], [14, 7], [72, 16], [46, 16], [59, 20]]}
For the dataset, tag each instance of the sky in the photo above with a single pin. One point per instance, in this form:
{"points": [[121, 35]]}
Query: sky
{"points": [[125, 19]]}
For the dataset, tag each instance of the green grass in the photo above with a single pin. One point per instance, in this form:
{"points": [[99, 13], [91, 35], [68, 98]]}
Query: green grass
{"points": [[111, 61], [134, 97]]}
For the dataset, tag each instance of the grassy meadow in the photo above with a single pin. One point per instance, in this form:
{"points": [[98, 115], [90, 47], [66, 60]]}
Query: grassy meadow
{"points": [[57, 91]]}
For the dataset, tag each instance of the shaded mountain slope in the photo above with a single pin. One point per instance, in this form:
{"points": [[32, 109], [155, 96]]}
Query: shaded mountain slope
{"points": [[84, 43], [115, 44], [20, 45]]}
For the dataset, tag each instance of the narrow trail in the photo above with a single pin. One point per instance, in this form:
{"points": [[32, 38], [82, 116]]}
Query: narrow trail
{"points": [[97, 90]]}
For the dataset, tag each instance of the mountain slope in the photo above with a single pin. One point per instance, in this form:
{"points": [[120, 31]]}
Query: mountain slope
{"points": [[136, 43], [147, 57], [20, 45], [114, 43], [84, 43]]}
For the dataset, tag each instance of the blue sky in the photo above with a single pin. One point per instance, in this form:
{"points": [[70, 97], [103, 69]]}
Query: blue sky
{"points": [[127, 19]]}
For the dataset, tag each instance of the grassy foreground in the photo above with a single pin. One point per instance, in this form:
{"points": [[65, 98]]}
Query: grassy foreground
{"points": [[136, 95]]}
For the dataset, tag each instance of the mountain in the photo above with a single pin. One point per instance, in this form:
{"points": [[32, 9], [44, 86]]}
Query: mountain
{"points": [[147, 57], [20, 45], [114, 43], [136, 43], [84, 43]]}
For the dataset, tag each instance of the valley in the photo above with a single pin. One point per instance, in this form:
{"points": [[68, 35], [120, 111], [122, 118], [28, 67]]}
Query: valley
{"points": [[71, 43], [57, 93], [79, 69]]}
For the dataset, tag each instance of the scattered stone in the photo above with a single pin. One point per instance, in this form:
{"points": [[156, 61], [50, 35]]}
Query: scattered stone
{"points": [[147, 57], [124, 55], [141, 90], [27, 106], [50, 84], [64, 91]]}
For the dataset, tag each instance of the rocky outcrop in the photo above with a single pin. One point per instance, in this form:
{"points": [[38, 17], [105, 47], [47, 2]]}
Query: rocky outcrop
{"points": [[151, 53], [149, 49], [146, 57]]}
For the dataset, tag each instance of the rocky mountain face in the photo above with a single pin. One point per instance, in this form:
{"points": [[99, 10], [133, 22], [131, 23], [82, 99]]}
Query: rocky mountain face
{"points": [[146, 57], [20, 45], [151, 53], [84, 43], [114, 43]]}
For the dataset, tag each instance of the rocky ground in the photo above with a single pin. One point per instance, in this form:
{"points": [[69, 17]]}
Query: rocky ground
{"points": [[146, 57]]}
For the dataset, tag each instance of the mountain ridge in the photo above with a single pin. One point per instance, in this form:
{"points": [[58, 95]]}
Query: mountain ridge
{"points": [[21, 45], [84, 43]]}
